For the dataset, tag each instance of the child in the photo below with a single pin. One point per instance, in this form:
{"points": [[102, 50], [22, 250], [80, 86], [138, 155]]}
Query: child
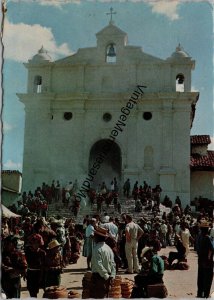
{"points": [[53, 264]]}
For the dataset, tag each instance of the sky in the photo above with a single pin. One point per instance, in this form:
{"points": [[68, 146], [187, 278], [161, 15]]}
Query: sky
{"points": [[64, 26]]}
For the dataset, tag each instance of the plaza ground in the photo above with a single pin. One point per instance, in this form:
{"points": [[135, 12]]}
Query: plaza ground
{"points": [[180, 284]]}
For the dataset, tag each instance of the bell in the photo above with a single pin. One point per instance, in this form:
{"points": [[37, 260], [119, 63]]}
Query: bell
{"points": [[111, 51], [180, 80]]}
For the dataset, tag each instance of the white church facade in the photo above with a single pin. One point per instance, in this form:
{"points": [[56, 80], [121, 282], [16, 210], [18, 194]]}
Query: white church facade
{"points": [[72, 106]]}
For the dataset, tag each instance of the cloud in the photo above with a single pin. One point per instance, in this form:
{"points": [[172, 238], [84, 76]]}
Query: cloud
{"points": [[22, 41], [7, 127], [12, 165], [168, 8], [56, 3], [159, 6]]}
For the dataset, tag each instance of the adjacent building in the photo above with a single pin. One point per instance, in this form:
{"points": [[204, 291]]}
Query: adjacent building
{"points": [[202, 168], [11, 184]]}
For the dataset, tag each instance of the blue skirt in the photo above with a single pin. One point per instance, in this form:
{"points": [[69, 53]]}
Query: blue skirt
{"points": [[87, 247]]}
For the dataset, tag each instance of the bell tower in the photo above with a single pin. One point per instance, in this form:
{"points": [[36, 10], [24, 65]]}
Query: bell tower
{"points": [[111, 41]]}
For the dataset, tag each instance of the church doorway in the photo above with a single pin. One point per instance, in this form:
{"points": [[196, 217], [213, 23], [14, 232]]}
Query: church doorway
{"points": [[110, 167]]}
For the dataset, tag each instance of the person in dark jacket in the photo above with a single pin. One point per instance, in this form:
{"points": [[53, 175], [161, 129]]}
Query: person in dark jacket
{"points": [[14, 266], [126, 188], [35, 257], [205, 261]]}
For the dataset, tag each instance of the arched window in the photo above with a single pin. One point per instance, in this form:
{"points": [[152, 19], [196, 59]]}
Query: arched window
{"points": [[180, 83], [38, 84], [111, 53]]}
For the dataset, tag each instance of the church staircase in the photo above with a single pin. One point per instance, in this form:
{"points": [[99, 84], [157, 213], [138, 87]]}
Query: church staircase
{"points": [[127, 206]]}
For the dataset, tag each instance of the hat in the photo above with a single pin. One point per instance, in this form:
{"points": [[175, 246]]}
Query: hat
{"points": [[56, 222], [53, 244], [93, 219], [44, 221], [145, 249], [101, 231], [106, 219], [52, 220], [204, 223]]}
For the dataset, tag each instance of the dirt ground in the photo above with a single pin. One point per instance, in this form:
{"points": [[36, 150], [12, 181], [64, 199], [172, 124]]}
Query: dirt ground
{"points": [[180, 284]]}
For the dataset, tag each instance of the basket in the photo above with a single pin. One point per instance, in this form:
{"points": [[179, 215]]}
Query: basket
{"points": [[55, 292]]}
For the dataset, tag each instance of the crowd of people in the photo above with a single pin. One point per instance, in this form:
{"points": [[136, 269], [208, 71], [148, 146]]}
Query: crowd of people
{"points": [[130, 240], [46, 194], [38, 248]]}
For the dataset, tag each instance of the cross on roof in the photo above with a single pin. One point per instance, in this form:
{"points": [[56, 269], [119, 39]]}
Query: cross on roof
{"points": [[111, 13]]}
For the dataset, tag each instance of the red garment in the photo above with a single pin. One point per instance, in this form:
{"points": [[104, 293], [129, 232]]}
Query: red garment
{"points": [[16, 260]]}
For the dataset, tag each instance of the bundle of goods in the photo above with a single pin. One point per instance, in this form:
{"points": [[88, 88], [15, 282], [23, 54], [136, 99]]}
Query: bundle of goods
{"points": [[55, 292], [86, 282], [157, 291], [126, 287], [73, 294], [182, 265], [115, 288]]}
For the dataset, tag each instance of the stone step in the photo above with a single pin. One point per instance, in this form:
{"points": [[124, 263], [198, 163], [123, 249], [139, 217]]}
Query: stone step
{"points": [[128, 206]]}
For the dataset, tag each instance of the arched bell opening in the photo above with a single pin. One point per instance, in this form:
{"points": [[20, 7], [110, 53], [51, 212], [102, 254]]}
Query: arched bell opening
{"points": [[38, 84], [111, 56], [180, 83]]}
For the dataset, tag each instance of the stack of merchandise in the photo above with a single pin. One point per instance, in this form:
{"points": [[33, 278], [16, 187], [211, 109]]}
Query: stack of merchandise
{"points": [[115, 288], [126, 287], [86, 282], [73, 294]]}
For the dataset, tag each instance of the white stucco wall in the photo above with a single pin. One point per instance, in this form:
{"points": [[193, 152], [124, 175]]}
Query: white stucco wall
{"points": [[202, 184], [87, 86]]}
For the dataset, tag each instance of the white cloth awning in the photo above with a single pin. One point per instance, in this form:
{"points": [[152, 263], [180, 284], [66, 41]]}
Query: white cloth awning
{"points": [[8, 213]]}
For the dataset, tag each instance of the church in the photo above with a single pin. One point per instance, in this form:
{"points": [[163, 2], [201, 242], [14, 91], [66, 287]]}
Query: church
{"points": [[73, 104]]}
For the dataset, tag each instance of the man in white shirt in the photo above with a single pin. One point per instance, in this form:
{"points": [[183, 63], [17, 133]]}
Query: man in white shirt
{"points": [[69, 187], [133, 232], [102, 264], [112, 228], [185, 236], [163, 232]]}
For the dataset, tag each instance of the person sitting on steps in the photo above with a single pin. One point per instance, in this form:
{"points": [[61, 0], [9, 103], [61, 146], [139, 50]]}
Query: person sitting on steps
{"points": [[181, 250]]}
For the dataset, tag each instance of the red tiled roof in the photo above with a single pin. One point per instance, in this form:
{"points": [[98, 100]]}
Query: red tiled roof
{"points": [[200, 139], [202, 162]]}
